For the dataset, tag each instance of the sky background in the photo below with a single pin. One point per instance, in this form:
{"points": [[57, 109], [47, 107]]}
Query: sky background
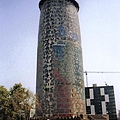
{"points": [[100, 34]]}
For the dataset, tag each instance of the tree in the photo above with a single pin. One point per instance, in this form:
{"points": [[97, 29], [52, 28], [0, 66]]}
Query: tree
{"points": [[21, 101], [4, 103], [16, 103]]}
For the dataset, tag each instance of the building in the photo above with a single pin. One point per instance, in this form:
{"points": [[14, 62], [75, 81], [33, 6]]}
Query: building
{"points": [[118, 114], [60, 85], [101, 100]]}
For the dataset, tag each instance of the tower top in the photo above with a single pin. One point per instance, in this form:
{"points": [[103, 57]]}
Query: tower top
{"points": [[73, 1]]}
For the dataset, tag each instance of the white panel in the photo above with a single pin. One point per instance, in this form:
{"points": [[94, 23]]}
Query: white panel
{"points": [[102, 92], [103, 108], [106, 98], [88, 102], [92, 109], [91, 94]]}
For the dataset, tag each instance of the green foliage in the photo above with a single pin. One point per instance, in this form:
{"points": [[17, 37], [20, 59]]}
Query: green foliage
{"points": [[4, 102], [16, 103]]}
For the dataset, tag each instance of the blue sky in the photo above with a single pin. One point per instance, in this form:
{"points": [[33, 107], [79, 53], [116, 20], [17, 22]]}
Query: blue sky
{"points": [[100, 27]]}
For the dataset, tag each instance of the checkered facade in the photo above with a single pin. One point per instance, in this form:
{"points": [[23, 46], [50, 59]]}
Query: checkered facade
{"points": [[101, 100]]}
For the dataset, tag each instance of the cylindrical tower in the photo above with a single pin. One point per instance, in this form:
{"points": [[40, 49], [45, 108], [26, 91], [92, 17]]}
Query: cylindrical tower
{"points": [[60, 84]]}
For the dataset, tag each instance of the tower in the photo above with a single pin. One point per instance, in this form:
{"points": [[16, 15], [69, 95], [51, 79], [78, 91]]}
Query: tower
{"points": [[60, 84]]}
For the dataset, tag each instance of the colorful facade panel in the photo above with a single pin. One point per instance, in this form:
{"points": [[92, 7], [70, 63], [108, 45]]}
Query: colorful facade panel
{"points": [[60, 84]]}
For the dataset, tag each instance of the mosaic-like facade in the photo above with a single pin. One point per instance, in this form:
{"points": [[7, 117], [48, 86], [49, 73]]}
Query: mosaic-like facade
{"points": [[60, 84]]}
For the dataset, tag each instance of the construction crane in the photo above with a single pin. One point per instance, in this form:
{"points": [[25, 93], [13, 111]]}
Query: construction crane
{"points": [[86, 73]]}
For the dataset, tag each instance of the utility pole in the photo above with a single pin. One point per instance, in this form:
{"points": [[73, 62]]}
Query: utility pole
{"points": [[86, 78]]}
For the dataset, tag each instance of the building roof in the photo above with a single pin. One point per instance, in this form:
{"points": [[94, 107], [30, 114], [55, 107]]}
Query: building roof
{"points": [[73, 1], [107, 86]]}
